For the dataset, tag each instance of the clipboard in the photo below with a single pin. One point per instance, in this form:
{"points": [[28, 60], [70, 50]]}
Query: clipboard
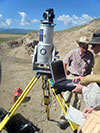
{"points": [[74, 115]]}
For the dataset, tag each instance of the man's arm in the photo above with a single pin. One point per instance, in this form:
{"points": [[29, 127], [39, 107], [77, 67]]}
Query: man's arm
{"points": [[67, 60], [86, 81], [91, 94], [89, 79], [65, 69]]}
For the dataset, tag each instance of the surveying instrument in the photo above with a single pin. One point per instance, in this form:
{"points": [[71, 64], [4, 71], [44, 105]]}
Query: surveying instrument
{"points": [[44, 54]]}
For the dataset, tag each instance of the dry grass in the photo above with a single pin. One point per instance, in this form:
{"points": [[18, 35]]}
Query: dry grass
{"points": [[9, 37]]}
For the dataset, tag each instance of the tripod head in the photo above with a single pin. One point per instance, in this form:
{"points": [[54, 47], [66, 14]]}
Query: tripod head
{"points": [[45, 52]]}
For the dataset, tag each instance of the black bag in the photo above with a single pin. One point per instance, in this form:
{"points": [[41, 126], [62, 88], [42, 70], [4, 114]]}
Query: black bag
{"points": [[3, 113], [18, 124]]}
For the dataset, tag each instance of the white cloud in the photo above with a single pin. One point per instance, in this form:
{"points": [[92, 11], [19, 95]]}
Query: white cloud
{"points": [[75, 20], [23, 14], [0, 15], [35, 21], [6, 22], [65, 18], [24, 20]]}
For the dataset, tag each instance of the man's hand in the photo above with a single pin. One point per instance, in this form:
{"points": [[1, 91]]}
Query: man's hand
{"points": [[78, 89], [86, 111], [77, 79]]}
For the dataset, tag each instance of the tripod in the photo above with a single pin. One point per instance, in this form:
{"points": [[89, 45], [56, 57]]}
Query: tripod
{"points": [[46, 86]]}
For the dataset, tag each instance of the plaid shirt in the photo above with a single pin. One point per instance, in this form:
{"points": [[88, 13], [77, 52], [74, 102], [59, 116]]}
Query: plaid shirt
{"points": [[79, 64]]}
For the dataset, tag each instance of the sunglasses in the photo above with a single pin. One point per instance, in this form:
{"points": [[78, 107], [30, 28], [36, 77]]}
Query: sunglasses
{"points": [[82, 45], [93, 45]]}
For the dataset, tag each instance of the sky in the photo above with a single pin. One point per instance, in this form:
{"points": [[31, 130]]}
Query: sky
{"points": [[26, 14]]}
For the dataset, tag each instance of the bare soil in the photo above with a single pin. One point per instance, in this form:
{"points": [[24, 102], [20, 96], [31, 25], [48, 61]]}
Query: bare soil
{"points": [[17, 73]]}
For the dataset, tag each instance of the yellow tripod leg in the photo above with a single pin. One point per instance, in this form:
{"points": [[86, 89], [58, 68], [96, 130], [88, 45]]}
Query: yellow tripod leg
{"points": [[73, 125], [18, 102], [22, 94]]}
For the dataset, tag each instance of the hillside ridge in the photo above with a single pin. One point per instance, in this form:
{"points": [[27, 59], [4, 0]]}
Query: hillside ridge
{"points": [[64, 41]]}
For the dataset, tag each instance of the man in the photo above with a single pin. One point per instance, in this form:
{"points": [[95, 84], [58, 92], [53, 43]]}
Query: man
{"points": [[80, 62], [90, 84]]}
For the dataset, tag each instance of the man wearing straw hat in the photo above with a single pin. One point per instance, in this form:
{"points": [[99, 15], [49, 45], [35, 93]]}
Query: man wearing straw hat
{"points": [[80, 62]]}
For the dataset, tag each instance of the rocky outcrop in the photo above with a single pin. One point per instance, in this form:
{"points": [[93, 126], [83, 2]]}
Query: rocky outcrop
{"points": [[13, 44], [63, 40], [30, 47]]}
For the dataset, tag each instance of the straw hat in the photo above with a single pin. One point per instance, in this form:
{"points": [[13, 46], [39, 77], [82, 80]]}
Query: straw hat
{"points": [[83, 39]]}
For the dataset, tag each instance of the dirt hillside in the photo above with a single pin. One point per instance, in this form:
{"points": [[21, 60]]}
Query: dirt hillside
{"points": [[17, 73]]}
